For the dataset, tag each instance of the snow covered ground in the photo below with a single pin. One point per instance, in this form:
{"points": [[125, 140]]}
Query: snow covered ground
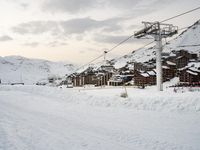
{"points": [[38, 118]]}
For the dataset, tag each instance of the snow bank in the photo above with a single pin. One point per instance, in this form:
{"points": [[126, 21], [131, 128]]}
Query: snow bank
{"points": [[38, 118]]}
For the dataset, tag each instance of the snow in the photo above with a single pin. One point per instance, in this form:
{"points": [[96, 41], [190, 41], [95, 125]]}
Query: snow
{"points": [[179, 57], [29, 71], [187, 39], [192, 66], [193, 73], [152, 73], [91, 118], [145, 74], [170, 63], [33, 117], [165, 67]]}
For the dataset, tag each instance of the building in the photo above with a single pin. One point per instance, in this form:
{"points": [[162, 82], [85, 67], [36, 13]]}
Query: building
{"points": [[190, 74], [145, 78], [146, 66], [168, 73], [93, 76], [119, 80], [182, 61]]}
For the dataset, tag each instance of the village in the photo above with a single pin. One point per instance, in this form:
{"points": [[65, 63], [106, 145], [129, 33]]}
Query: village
{"points": [[181, 64], [100, 75]]}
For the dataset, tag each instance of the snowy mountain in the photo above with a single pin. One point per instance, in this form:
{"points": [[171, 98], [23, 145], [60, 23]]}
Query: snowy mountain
{"points": [[29, 71], [188, 40]]}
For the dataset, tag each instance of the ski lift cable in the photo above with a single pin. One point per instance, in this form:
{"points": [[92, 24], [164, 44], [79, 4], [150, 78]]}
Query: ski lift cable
{"points": [[116, 58], [125, 40], [179, 15], [119, 45], [107, 52]]}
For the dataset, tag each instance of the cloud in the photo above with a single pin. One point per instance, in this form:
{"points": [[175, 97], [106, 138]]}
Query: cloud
{"points": [[110, 38], [115, 39], [32, 44], [36, 27], [82, 25], [24, 5], [56, 43], [77, 6], [68, 27], [79, 25], [5, 38], [71, 6]]}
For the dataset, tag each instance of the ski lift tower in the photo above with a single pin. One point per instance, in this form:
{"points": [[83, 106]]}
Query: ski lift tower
{"points": [[158, 31], [105, 52]]}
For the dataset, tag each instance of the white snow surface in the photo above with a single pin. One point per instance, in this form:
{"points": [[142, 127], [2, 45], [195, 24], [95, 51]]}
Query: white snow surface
{"points": [[38, 118], [21, 69]]}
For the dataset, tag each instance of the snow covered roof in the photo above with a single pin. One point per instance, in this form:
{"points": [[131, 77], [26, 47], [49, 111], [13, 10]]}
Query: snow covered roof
{"points": [[194, 66], [165, 67], [181, 69], [172, 54], [194, 69], [192, 60], [179, 57], [170, 63], [100, 73], [145, 74], [152, 73], [193, 73]]}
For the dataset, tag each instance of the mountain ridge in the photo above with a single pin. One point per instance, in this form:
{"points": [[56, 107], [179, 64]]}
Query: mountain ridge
{"points": [[29, 71]]}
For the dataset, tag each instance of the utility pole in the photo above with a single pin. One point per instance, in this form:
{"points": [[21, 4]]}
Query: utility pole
{"points": [[158, 31]]}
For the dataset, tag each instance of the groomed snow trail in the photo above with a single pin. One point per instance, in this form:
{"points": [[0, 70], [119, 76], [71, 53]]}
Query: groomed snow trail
{"points": [[30, 121]]}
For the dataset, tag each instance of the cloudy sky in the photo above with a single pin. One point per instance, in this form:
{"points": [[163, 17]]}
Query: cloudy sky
{"points": [[79, 30]]}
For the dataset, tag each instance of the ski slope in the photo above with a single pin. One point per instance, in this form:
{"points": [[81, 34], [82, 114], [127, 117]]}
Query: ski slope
{"points": [[38, 118]]}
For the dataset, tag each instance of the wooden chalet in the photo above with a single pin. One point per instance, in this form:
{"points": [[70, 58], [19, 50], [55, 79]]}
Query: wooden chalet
{"points": [[183, 52], [170, 64], [168, 73], [103, 78], [172, 57], [181, 61], [126, 70], [145, 78], [119, 80], [93, 76], [190, 74], [77, 80], [183, 57], [142, 78], [152, 77], [105, 72], [146, 66]]}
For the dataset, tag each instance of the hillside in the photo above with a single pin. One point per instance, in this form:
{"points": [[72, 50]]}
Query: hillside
{"points": [[189, 40], [29, 71]]}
